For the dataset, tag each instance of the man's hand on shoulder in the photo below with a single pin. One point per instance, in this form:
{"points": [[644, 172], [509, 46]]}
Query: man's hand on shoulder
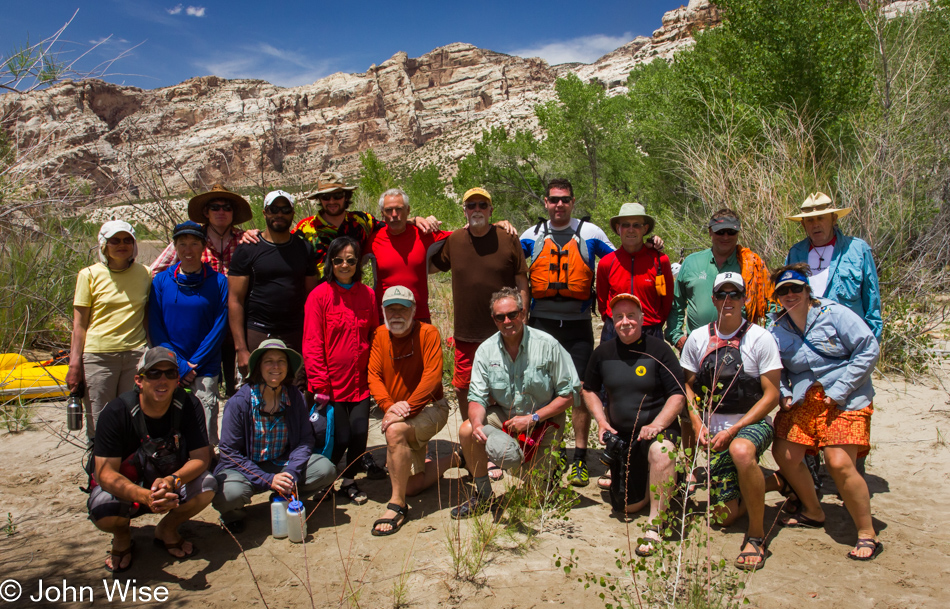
{"points": [[251, 235], [427, 225], [656, 242], [506, 226]]}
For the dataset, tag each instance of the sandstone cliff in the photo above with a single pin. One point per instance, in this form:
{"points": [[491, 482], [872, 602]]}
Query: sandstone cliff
{"points": [[133, 143]]}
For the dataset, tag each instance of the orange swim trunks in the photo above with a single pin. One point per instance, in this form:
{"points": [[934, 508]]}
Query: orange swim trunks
{"points": [[815, 425]]}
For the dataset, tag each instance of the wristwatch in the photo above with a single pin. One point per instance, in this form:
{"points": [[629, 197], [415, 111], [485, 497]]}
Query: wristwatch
{"points": [[535, 419], [177, 482]]}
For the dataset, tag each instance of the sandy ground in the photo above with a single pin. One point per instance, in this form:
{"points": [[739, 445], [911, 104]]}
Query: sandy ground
{"points": [[342, 564]]}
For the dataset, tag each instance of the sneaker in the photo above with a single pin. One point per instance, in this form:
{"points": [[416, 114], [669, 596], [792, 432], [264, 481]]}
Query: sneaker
{"points": [[474, 506], [372, 469], [560, 461], [578, 474]]}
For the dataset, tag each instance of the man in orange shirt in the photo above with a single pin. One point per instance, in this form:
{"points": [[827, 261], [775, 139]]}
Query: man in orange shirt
{"points": [[405, 378]]}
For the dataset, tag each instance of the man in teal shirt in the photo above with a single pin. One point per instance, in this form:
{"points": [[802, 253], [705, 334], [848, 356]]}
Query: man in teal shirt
{"points": [[530, 381], [692, 294]]}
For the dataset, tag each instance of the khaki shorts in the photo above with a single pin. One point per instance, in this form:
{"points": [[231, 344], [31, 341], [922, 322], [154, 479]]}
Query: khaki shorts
{"points": [[426, 424], [503, 450]]}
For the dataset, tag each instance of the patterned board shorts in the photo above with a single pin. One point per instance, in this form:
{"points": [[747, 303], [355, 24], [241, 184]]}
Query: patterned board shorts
{"points": [[723, 470], [816, 426]]}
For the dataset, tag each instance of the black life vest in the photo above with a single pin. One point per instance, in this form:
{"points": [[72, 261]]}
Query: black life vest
{"points": [[722, 375]]}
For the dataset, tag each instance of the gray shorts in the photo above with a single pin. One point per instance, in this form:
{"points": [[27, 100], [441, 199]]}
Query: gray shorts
{"points": [[102, 504], [504, 451]]}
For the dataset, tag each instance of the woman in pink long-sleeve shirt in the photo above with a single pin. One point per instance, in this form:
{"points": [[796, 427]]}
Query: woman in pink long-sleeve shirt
{"points": [[339, 319]]}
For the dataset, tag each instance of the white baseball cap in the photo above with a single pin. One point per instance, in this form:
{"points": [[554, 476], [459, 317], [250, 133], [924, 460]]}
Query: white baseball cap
{"points": [[730, 277], [277, 194]]}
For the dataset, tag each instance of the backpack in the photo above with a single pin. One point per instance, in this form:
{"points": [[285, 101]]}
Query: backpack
{"points": [[722, 375], [559, 271], [155, 457]]}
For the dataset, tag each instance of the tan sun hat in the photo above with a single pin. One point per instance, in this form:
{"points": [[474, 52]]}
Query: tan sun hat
{"points": [[632, 209], [240, 206], [819, 204], [330, 181]]}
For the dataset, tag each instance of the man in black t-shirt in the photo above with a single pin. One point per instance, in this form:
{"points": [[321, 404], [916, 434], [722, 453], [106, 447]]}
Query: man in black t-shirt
{"points": [[268, 282], [644, 382], [126, 484]]}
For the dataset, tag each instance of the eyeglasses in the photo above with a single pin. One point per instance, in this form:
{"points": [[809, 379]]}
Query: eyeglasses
{"points": [[722, 295], [511, 315], [156, 373], [633, 225], [795, 288], [285, 210], [727, 231], [119, 240], [398, 357], [331, 196], [556, 200], [220, 207], [339, 261], [477, 205]]}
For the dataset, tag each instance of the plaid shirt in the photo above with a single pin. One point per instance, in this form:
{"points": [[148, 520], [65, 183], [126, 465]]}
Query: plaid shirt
{"points": [[271, 438], [357, 224], [219, 261]]}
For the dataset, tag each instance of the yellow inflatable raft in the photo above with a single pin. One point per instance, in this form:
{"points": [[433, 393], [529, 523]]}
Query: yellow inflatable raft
{"points": [[30, 380]]}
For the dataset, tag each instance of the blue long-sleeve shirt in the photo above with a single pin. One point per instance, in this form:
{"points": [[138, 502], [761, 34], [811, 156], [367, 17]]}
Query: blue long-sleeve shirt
{"points": [[189, 315], [852, 278]]}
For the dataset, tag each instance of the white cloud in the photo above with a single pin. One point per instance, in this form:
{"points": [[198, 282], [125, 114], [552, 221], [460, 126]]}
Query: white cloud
{"points": [[282, 67], [585, 49], [175, 10], [195, 11]]}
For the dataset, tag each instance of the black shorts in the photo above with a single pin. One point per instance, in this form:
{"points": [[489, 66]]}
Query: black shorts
{"points": [[575, 335]]}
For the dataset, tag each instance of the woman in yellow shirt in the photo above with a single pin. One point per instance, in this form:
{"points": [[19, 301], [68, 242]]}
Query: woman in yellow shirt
{"points": [[108, 321]]}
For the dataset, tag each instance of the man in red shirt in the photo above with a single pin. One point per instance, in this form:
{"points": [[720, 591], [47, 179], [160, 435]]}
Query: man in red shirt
{"points": [[635, 269], [399, 252]]}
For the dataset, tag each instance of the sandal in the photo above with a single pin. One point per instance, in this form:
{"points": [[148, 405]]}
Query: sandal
{"points": [[353, 493], [603, 483], [460, 457], [395, 523], [700, 479], [373, 470], [802, 521], [650, 542], [492, 469], [792, 504], [117, 559], [761, 551], [175, 546], [866, 542]]}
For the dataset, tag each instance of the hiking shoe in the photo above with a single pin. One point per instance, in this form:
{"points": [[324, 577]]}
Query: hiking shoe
{"points": [[473, 506], [578, 474]]}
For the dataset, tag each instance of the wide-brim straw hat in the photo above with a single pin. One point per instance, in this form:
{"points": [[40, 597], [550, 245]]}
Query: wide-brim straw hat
{"points": [[632, 209], [294, 359], [330, 181], [819, 204], [241, 208]]}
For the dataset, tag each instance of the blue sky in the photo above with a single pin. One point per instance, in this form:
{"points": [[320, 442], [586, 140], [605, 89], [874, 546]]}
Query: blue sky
{"points": [[294, 43]]}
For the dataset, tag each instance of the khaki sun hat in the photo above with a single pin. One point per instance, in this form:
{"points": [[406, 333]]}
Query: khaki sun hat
{"points": [[330, 181], [242, 209], [294, 359], [818, 204], [632, 209]]}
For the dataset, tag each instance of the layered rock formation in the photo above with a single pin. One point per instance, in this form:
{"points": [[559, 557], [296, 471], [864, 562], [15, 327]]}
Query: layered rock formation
{"points": [[133, 143]]}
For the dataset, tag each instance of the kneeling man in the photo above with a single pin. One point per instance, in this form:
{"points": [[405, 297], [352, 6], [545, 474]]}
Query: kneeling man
{"points": [[522, 382], [732, 376], [151, 455], [645, 385], [405, 378]]}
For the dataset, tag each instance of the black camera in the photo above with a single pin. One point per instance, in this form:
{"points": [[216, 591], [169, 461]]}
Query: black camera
{"points": [[614, 449]]}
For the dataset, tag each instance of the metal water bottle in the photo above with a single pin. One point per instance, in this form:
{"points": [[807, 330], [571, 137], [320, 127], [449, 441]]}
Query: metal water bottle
{"points": [[74, 410]]}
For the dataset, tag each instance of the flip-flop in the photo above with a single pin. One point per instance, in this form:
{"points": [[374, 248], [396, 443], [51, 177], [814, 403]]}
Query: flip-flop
{"points": [[866, 542], [492, 468], [395, 523], [802, 522], [761, 552], [120, 555], [648, 541], [175, 546]]}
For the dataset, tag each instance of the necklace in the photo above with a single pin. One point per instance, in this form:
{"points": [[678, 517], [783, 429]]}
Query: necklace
{"points": [[822, 252], [223, 238]]}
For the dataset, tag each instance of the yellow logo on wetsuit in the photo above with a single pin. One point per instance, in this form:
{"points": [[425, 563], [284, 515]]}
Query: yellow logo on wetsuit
{"points": [[641, 370]]}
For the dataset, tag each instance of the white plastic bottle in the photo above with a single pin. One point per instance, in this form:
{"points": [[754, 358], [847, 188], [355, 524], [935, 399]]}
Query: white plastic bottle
{"points": [[296, 521], [278, 518]]}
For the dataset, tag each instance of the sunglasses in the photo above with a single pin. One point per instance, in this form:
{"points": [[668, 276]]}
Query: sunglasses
{"points": [[156, 373], [332, 196], [121, 240], [285, 210], [220, 207], [633, 225], [722, 295], [727, 231], [510, 316], [339, 261], [556, 200], [477, 205], [794, 288]]}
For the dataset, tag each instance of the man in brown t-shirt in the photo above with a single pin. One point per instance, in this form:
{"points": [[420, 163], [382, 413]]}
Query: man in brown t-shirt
{"points": [[483, 259]]}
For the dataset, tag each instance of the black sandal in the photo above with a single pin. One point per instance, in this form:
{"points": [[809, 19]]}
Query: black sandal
{"points": [[395, 523], [353, 493], [761, 552], [866, 542]]}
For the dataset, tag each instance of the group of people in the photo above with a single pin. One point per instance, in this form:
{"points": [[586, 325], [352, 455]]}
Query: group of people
{"points": [[316, 347]]}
